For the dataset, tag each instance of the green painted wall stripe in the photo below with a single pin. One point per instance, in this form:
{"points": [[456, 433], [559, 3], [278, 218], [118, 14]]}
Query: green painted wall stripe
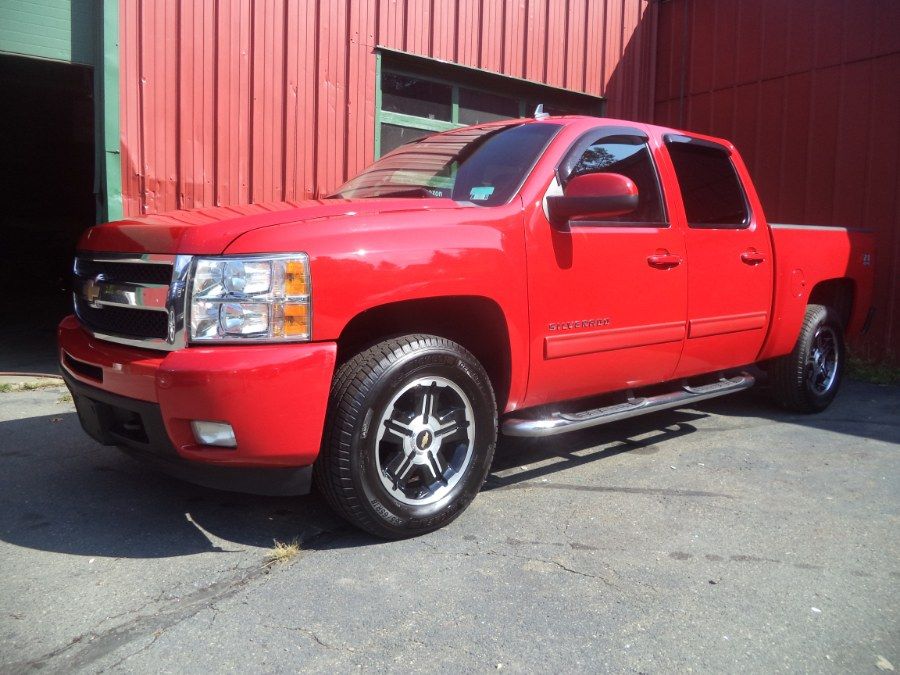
{"points": [[377, 105], [108, 106]]}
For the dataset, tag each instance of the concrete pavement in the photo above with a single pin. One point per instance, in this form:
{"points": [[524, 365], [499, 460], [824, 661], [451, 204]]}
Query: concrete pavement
{"points": [[733, 536]]}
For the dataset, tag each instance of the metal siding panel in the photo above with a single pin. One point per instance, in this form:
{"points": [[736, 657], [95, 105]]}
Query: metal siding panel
{"points": [[749, 47], [829, 31], [418, 27], [860, 19], [576, 21], [723, 41], [444, 30], [235, 101], [882, 210], [293, 181], [795, 148], [822, 133], [536, 46], [61, 30], [492, 36], [514, 38], [130, 109], [854, 123], [557, 43], [765, 156], [801, 36], [823, 123], [887, 35], [612, 47], [701, 39], [775, 37], [593, 40]]}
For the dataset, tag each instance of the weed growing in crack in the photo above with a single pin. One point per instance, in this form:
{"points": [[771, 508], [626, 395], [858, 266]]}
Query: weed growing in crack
{"points": [[282, 552]]}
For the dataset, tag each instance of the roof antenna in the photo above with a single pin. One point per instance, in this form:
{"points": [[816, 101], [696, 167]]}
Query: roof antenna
{"points": [[539, 113]]}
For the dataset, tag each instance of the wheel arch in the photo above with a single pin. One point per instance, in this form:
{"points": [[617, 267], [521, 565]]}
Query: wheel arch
{"points": [[838, 294], [475, 322]]}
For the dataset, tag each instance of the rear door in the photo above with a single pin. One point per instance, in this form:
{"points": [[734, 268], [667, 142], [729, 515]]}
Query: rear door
{"points": [[607, 298], [729, 252]]}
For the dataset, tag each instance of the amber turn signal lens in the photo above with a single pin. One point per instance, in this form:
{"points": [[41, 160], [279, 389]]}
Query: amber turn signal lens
{"points": [[295, 279], [296, 320]]}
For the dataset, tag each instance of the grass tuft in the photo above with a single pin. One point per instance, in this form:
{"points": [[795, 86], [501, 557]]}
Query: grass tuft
{"points": [[40, 384], [282, 553], [876, 372], [49, 383], [64, 398]]}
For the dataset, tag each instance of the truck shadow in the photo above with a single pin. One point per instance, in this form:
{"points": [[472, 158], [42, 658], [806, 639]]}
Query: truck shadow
{"points": [[639, 436], [62, 492]]}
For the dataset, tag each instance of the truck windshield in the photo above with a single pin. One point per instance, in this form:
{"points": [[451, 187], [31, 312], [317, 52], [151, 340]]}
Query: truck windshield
{"points": [[481, 165]]}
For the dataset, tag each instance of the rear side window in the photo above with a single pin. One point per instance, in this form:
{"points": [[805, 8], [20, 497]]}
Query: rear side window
{"points": [[629, 156], [710, 187]]}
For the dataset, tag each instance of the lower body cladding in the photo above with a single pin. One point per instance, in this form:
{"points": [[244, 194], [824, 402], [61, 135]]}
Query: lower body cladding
{"points": [[153, 405]]}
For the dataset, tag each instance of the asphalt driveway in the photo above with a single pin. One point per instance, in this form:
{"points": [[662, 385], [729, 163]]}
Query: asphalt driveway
{"points": [[731, 536]]}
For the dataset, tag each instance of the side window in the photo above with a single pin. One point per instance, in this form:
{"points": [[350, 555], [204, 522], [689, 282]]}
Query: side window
{"points": [[629, 156], [710, 187]]}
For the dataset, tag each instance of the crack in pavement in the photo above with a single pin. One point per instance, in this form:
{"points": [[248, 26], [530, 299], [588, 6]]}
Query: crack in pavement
{"points": [[92, 646], [310, 634], [156, 636]]}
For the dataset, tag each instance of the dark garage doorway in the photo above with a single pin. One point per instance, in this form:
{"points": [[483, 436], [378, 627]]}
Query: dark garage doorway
{"points": [[47, 197]]}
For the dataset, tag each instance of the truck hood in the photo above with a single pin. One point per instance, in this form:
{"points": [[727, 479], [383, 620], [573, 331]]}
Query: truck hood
{"points": [[209, 231]]}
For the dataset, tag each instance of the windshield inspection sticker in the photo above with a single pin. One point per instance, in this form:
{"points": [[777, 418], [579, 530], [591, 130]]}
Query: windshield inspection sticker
{"points": [[480, 194]]}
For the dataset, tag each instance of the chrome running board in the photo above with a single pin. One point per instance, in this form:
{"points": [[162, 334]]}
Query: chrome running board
{"points": [[560, 422]]}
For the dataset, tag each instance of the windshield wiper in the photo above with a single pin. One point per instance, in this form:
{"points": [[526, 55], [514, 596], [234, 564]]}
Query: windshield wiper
{"points": [[409, 192]]}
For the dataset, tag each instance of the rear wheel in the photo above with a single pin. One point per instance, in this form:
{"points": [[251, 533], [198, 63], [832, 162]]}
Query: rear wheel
{"points": [[807, 379], [410, 435]]}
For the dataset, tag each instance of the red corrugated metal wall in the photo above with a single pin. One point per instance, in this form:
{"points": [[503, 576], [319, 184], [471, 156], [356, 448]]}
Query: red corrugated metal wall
{"points": [[237, 101], [809, 90]]}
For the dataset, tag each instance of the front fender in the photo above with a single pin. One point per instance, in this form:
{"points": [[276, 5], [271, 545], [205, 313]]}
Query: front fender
{"points": [[364, 262]]}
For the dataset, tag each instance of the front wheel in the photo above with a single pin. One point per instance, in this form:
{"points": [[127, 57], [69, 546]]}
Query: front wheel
{"points": [[411, 430], [807, 379]]}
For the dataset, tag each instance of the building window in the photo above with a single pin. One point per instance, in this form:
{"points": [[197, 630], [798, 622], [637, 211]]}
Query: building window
{"points": [[411, 104]]}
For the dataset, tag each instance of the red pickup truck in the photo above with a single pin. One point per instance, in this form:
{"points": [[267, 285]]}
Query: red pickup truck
{"points": [[537, 275]]}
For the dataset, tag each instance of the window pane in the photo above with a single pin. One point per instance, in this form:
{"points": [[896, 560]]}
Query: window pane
{"points": [[477, 107], [712, 193], [393, 136], [412, 96], [630, 157]]}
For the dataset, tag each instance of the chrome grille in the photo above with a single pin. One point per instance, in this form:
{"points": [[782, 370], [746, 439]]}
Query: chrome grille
{"points": [[132, 299]]}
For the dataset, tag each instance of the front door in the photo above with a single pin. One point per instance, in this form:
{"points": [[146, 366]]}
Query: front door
{"points": [[607, 299], [731, 267]]}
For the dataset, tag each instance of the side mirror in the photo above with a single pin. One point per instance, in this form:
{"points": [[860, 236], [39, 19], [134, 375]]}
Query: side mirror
{"points": [[593, 196]]}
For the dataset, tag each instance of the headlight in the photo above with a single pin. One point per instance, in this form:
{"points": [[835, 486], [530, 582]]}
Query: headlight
{"points": [[251, 298]]}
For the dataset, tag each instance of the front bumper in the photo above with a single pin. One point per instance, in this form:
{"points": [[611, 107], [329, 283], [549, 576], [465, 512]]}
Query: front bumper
{"points": [[273, 396]]}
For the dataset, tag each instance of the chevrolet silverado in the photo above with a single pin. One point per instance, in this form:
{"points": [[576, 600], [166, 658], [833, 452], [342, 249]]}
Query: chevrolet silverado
{"points": [[526, 277]]}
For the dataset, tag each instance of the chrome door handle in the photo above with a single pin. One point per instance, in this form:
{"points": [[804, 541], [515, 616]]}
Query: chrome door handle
{"points": [[664, 261]]}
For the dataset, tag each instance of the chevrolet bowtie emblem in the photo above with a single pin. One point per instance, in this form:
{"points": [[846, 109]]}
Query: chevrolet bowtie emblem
{"points": [[90, 291]]}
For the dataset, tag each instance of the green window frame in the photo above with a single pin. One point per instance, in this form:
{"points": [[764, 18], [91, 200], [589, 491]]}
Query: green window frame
{"points": [[523, 93]]}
